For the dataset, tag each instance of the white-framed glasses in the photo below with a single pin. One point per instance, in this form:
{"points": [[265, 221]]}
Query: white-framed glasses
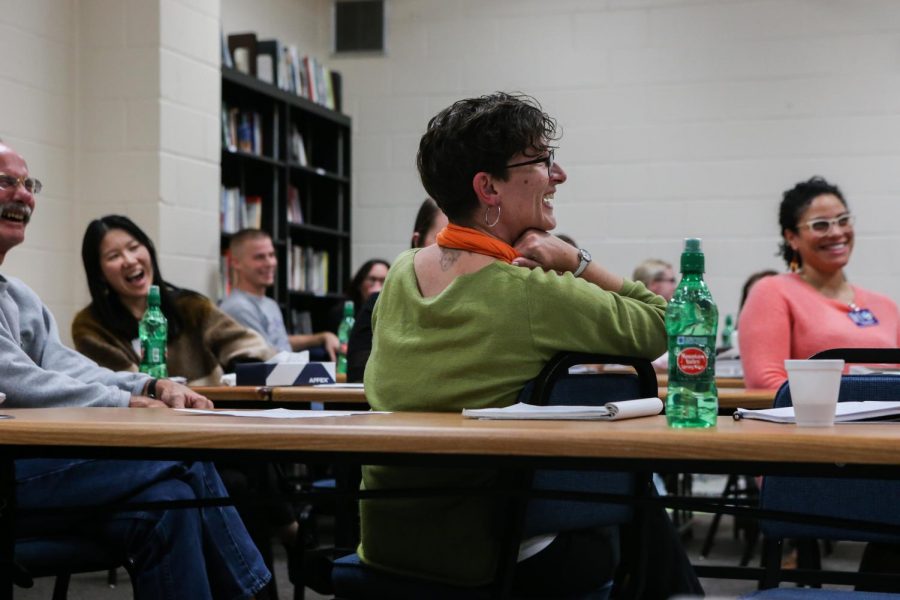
{"points": [[823, 226], [31, 184]]}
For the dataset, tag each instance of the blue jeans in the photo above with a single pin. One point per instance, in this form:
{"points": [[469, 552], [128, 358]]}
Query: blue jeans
{"points": [[190, 553]]}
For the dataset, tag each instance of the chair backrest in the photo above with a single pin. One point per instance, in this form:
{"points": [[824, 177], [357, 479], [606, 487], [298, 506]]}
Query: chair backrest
{"points": [[554, 386], [863, 499]]}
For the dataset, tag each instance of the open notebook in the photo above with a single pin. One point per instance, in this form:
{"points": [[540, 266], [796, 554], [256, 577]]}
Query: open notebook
{"points": [[846, 412], [611, 411]]}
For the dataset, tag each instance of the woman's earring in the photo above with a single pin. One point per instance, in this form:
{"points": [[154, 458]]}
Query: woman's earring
{"points": [[497, 220], [794, 265]]}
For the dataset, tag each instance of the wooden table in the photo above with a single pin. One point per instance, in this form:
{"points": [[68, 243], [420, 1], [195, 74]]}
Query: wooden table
{"points": [[732, 398], [74, 430], [444, 439], [225, 397], [721, 382]]}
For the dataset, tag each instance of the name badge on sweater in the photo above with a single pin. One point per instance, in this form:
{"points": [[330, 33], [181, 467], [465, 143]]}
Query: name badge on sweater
{"points": [[863, 317]]}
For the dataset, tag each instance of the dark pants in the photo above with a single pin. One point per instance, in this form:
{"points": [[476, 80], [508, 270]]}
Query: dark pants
{"points": [[575, 563]]}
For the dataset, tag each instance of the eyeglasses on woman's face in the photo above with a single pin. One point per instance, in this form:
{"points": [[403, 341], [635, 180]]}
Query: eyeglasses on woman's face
{"points": [[823, 226], [547, 160]]}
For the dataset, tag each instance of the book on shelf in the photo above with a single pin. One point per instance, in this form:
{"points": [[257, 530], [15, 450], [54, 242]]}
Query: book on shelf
{"points": [[845, 412], [298, 147], [308, 270], [251, 212], [242, 130], [229, 139], [295, 210], [238, 211], [229, 209]]}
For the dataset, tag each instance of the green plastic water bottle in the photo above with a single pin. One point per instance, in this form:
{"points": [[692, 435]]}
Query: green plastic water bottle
{"points": [[727, 333], [691, 322], [153, 331], [344, 336]]}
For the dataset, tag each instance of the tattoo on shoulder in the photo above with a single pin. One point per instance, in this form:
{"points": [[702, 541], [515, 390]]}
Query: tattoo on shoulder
{"points": [[449, 256]]}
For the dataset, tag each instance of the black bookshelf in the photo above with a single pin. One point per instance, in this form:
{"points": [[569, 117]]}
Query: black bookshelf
{"points": [[264, 169]]}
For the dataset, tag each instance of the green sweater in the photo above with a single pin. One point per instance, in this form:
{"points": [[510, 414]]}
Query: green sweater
{"points": [[475, 345]]}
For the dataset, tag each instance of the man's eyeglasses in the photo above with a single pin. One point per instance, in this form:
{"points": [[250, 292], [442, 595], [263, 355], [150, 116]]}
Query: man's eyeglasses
{"points": [[31, 184], [823, 226], [547, 160]]}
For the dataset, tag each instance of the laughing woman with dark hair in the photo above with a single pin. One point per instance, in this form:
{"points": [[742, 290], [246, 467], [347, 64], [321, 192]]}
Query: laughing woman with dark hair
{"points": [[813, 307], [120, 264]]}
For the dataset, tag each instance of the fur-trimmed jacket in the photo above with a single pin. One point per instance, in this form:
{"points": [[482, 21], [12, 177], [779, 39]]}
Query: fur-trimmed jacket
{"points": [[210, 342]]}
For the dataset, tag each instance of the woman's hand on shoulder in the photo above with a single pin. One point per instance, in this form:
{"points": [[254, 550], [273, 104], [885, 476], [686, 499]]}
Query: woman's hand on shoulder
{"points": [[538, 248]]}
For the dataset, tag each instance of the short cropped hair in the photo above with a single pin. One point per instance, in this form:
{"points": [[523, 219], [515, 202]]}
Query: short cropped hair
{"points": [[246, 235], [475, 135]]}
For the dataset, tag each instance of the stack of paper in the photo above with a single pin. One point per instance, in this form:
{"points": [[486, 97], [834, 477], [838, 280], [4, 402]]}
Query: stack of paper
{"points": [[612, 411], [846, 412]]}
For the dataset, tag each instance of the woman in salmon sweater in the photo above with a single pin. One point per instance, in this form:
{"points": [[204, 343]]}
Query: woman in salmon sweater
{"points": [[813, 307]]}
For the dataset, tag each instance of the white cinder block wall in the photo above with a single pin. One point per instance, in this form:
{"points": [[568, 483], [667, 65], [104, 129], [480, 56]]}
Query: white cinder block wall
{"points": [[115, 104], [37, 92], [681, 118]]}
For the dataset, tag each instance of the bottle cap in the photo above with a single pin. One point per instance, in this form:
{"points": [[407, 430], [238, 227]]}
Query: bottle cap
{"points": [[153, 295], [692, 260], [348, 308]]}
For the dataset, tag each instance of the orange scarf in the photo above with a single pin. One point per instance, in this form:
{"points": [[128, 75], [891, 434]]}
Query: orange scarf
{"points": [[466, 238]]}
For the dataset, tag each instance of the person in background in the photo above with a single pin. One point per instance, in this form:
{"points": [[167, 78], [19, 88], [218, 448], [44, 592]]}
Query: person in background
{"points": [[751, 281], [658, 276], [195, 554], [567, 239], [429, 220], [813, 307], [253, 262], [481, 312], [120, 265], [745, 291], [368, 280]]}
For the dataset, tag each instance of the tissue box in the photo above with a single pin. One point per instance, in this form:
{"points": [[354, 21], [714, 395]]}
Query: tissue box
{"points": [[309, 373]]}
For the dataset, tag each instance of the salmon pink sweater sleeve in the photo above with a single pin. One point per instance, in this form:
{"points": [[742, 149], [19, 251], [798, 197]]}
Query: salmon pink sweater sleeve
{"points": [[785, 317]]}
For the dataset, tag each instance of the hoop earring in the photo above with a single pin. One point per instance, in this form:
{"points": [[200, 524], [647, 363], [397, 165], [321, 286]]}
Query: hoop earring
{"points": [[794, 265], [497, 220]]}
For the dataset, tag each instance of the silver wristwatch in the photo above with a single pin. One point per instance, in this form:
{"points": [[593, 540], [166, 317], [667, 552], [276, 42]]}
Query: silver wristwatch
{"points": [[585, 259]]}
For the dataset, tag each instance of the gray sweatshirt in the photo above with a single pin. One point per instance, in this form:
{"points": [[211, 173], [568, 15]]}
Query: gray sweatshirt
{"points": [[38, 371]]}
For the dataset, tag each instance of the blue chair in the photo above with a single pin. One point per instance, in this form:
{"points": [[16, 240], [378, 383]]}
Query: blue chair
{"points": [[814, 594], [61, 557], [355, 580], [860, 499]]}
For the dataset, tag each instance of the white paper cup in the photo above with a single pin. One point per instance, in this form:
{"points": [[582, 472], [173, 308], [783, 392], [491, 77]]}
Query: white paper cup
{"points": [[814, 390]]}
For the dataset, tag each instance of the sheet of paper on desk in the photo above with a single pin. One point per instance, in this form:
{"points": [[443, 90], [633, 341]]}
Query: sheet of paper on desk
{"points": [[340, 386], [611, 411], [847, 412], [281, 413]]}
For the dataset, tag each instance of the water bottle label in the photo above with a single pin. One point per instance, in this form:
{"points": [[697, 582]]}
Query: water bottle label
{"points": [[692, 361]]}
